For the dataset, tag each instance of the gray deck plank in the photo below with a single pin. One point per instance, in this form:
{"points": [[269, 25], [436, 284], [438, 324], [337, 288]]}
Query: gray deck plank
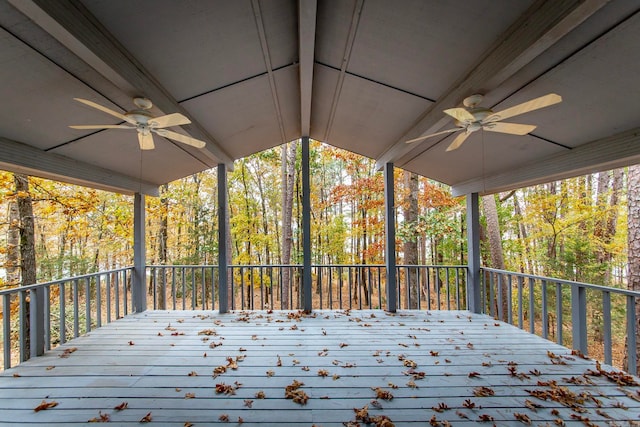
{"points": [[136, 359]]}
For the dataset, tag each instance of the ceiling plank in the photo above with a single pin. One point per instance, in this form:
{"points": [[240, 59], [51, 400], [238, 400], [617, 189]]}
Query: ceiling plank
{"points": [[612, 152], [75, 27], [33, 161], [307, 10], [542, 25]]}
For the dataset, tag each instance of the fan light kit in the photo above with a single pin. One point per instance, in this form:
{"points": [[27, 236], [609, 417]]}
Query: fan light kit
{"points": [[473, 117], [141, 120]]}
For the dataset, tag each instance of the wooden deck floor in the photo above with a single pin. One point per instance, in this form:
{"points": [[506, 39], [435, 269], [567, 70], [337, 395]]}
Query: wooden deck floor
{"points": [[162, 364]]}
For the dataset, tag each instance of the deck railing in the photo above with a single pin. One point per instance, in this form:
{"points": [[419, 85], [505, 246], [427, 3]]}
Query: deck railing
{"points": [[586, 317], [341, 287], [67, 308]]}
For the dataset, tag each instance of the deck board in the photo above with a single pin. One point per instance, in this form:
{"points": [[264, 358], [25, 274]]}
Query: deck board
{"points": [[146, 359]]}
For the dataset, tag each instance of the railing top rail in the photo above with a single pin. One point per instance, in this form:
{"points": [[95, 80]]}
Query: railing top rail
{"points": [[566, 282], [59, 281], [300, 265]]}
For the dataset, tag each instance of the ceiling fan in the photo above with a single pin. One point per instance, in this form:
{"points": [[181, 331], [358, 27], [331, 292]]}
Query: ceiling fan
{"points": [[141, 120], [472, 117]]}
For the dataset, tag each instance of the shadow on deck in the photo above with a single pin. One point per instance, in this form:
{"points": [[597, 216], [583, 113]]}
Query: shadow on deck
{"points": [[183, 368]]}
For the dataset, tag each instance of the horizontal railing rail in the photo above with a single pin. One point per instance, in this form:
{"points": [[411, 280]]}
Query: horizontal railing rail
{"points": [[39, 317], [594, 319]]}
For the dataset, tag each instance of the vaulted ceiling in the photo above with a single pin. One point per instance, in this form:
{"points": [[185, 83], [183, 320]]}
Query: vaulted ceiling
{"points": [[363, 75]]}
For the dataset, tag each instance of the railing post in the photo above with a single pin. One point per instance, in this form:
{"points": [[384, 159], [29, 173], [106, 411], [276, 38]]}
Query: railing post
{"points": [[474, 302], [579, 317], [223, 262], [306, 228], [390, 238], [632, 361], [138, 291], [36, 322]]}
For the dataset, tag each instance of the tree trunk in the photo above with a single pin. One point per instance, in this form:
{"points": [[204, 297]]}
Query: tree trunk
{"points": [[410, 245], [633, 242], [495, 245], [163, 236], [288, 176], [13, 246], [27, 245]]}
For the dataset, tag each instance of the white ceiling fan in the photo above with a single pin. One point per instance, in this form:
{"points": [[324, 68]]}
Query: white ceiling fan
{"points": [[472, 117], [141, 120]]}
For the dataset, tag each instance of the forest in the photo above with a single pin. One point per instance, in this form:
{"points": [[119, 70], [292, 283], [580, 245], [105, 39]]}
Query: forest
{"points": [[575, 229]]}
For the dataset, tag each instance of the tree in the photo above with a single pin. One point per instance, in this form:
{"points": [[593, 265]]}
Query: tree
{"points": [[494, 236], [633, 242], [289, 152], [410, 245]]}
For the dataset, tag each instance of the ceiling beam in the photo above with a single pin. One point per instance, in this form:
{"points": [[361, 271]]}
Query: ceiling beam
{"points": [[33, 161], [307, 10], [71, 23], [608, 153], [257, 14], [541, 26], [353, 29]]}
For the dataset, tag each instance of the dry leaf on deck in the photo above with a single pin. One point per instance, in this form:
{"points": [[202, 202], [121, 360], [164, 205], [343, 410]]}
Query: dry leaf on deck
{"points": [[122, 406], [44, 405], [146, 418], [101, 418]]}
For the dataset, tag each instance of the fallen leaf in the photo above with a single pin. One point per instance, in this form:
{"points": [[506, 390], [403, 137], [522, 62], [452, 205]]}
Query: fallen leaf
{"points": [[190, 396], [68, 352], [44, 405], [523, 418], [101, 418], [483, 391], [260, 395], [248, 403], [146, 418], [224, 418], [122, 406]]}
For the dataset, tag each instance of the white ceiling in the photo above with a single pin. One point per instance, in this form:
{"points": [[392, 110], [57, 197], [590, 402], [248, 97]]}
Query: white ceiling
{"points": [[363, 75]]}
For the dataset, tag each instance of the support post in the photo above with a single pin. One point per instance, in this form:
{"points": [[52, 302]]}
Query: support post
{"points": [[138, 289], [390, 238], [223, 285], [474, 302], [306, 228]]}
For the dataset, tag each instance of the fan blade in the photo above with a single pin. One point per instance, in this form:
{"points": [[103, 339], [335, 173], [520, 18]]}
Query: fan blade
{"points": [[175, 119], [511, 128], [106, 110], [458, 141], [525, 107], [180, 138], [461, 115], [146, 141], [433, 134], [102, 127]]}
